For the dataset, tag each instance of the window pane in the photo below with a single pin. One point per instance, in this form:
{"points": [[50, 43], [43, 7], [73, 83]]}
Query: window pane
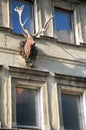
{"points": [[27, 13], [70, 112], [25, 107], [62, 20]]}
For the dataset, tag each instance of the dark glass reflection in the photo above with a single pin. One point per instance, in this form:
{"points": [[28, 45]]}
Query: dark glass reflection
{"points": [[25, 107], [70, 112]]}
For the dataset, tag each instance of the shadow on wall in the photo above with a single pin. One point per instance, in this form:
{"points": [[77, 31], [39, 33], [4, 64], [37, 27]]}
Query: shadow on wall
{"points": [[62, 67], [75, 65]]}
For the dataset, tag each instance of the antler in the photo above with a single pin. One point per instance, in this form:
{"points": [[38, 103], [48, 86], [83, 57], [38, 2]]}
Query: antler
{"points": [[19, 11], [45, 26]]}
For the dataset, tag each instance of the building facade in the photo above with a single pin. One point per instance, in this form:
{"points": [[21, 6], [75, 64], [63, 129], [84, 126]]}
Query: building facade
{"points": [[51, 93]]}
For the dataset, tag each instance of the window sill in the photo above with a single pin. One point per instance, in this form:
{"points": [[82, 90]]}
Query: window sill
{"points": [[61, 42], [83, 44], [20, 129], [10, 30], [7, 29], [25, 128]]}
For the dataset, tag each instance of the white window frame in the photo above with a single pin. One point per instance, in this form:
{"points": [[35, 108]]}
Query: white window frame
{"points": [[83, 104], [76, 28], [36, 17], [1, 93]]}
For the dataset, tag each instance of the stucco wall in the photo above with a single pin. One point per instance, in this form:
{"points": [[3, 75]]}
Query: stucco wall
{"points": [[53, 57]]}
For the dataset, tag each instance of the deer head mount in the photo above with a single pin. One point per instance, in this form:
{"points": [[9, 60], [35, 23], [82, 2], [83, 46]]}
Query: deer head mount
{"points": [[27, 48]]}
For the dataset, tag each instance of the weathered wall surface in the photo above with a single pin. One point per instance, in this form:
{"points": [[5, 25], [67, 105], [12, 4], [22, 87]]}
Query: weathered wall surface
{"points": [[53, 56], [49, 49]]}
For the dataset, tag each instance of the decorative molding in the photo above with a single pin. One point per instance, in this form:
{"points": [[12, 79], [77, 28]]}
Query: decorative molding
{"points": [[62, 60], [46, 57], [9, 50], [72, 81], [25, 71]]}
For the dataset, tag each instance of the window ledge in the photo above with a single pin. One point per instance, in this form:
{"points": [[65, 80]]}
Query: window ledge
{"points": [[83, 44], [20, 128], [61, 42], [28, 71], [10, 30], [7, 29]]}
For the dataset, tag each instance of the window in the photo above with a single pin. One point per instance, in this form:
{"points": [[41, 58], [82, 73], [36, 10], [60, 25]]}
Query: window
{"points": [[64, 29], [26, 101], [63, 20], [26, 105], [71, 97], [71, 111], [27, 14], [28, 108], [66, 18], [73, 105]]}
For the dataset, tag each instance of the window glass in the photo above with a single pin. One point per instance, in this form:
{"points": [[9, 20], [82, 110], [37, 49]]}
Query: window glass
{"points": [[62, 20], [70, 109], [25, 107], [27, 13]]}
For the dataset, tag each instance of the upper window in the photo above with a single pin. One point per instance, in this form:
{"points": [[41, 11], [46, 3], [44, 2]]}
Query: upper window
{"points": [[64, 24], [63, 20], [26, 14]]}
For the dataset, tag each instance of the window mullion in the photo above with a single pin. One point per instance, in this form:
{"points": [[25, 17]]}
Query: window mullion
{"points": [[76, 28], [35, 17]]}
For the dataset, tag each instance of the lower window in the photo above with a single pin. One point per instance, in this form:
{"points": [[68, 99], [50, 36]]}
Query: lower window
{"points": [[71, 111], [26, 107]]}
